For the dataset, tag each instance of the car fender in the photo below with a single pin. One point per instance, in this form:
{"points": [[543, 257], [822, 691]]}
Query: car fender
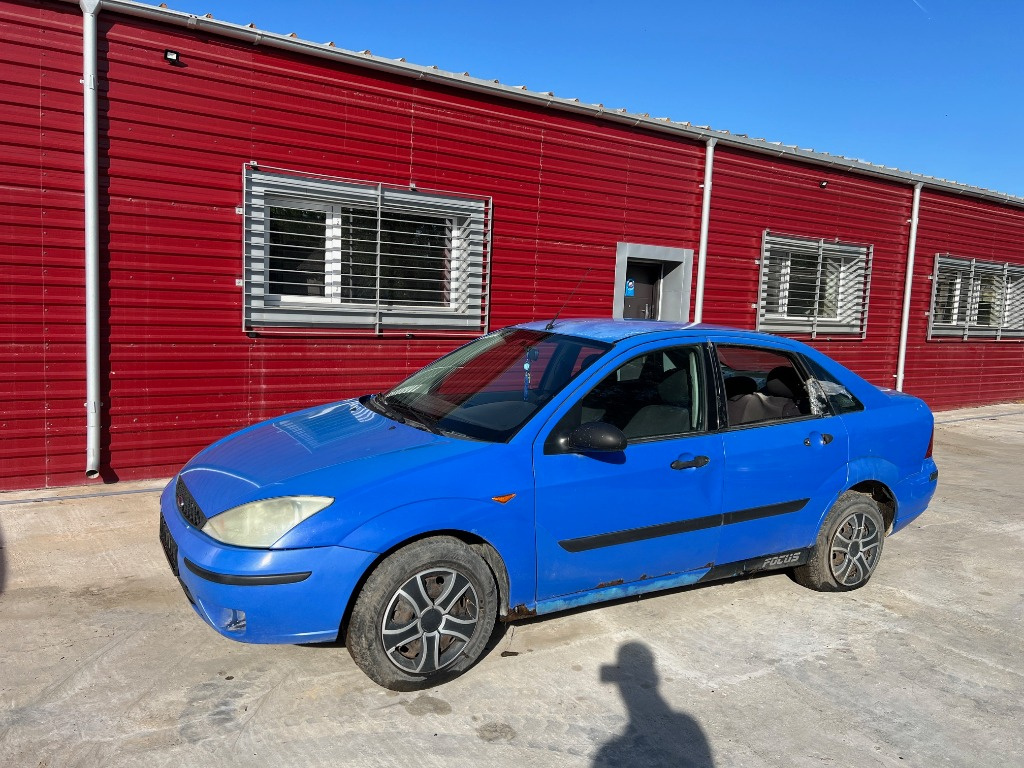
{"points": [[867, 468], [508, 528], [873, 468], [864, 469]]}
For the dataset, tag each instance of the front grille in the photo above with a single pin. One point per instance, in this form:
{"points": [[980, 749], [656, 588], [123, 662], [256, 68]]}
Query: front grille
{"points": [[187, 505]]}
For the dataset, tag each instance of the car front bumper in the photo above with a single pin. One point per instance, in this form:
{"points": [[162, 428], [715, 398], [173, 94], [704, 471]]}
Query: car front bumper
{"points": [[261, 595]]}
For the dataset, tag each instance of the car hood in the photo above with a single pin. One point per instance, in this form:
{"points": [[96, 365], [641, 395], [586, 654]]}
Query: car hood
{"points": [[329, 450]]}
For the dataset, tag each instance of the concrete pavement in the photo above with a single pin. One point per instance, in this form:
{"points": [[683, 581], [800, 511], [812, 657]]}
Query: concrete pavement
{"points": [[104, 663]]}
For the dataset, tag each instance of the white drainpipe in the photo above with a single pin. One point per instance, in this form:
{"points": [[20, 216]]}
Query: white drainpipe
{"points": [[705, 217], [90, 8], [908, 285]]}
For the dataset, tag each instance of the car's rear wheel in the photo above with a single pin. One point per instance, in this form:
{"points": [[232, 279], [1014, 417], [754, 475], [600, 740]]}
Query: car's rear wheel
{"points": [[424, 615], [848, 548]]}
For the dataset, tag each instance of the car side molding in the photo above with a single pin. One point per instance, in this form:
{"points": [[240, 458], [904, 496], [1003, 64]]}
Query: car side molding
{"points": [[586, 543]]}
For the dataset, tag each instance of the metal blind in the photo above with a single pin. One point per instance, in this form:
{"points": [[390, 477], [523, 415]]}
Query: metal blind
{"points": [[326, 252], [813, 286], [972, 298]]}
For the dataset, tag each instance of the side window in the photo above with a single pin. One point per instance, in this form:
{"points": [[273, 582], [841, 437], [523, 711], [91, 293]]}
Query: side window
{"points": [[826, 387], [653, 395], [763, 385]]}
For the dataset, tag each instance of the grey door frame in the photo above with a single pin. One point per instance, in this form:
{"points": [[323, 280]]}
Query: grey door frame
{"points": [[673, 291]]}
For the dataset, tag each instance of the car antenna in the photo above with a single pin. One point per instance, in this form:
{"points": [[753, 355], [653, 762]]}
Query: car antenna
{"points": [[551, 325]]}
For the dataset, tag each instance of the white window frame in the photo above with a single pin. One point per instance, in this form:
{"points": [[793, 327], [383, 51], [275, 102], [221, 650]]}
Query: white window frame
{"points": [[1007, 319], [467, 250], [850, 263]]}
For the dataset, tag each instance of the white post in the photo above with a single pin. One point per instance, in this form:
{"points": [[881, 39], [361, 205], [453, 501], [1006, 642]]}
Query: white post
{"points": [[90, 8], [908, 285], [705, 216]]}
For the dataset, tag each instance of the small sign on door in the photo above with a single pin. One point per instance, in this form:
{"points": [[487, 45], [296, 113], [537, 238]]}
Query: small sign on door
{"points": [[630, 287]]}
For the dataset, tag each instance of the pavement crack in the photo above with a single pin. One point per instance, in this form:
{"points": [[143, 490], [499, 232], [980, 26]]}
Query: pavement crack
{"points": [[259, 705]]}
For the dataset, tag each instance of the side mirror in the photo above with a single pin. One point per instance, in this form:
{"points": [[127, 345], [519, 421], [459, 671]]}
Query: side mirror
{"points": [[596, 437]]}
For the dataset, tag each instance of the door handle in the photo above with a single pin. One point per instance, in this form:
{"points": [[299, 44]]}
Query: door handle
{"points": [[686, 461], [818, 438]]}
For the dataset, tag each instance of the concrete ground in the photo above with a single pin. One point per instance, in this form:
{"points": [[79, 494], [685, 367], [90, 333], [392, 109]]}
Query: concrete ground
{"points": [[104, 663]]}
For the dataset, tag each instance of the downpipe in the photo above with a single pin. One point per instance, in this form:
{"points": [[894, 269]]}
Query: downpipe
{"points": [[90, 10], [901, 358], [705, 217]]}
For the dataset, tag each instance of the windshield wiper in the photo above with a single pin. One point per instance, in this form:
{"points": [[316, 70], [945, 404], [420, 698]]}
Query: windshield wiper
{"points": [[411, 416], [384, 407]]}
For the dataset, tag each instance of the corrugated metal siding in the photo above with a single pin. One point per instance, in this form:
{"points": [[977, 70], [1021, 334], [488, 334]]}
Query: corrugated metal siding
{"points": [[949, 372], [751, 194], [41, 335], [173, 141], [565, 190]]}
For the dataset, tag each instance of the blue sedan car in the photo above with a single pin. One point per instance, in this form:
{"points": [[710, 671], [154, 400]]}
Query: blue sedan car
{"points": [[540, 468]]}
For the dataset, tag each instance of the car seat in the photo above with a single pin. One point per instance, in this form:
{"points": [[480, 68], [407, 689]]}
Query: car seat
{"points": [[669, 417]]}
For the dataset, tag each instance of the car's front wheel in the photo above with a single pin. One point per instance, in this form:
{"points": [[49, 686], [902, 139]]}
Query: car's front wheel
{"points": [[849, 546], [424, 615]]}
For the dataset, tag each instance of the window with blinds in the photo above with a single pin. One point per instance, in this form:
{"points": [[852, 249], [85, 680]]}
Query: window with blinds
{"points": [[813, 286], [324, 252], [979, 299]]}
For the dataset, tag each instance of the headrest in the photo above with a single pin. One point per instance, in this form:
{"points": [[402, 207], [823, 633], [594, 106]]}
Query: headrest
{"points": [[784, 382], [739, 385], [676, 387]]}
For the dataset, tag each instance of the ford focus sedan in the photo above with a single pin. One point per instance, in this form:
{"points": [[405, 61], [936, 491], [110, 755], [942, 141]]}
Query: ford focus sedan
{"points": [[539, 468]]}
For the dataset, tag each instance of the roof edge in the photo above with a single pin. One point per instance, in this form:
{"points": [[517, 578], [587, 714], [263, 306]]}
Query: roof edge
{"points": [[492, 87]]}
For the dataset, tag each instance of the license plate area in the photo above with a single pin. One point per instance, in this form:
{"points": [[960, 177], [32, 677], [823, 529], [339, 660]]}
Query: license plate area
{"points": [[170, 548]]}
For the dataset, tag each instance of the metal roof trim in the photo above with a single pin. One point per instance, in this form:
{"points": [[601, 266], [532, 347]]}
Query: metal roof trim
{"points": [[521, 93]]}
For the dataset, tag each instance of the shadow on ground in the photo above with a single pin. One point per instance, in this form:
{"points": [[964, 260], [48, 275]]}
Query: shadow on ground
{"points": [[656, 736]]}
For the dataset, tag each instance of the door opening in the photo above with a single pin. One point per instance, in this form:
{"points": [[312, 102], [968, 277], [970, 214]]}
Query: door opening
{"points": [[640, 296], [652, 282]]}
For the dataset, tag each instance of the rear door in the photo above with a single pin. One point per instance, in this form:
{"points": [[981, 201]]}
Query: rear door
{"points": [[785, 455]]}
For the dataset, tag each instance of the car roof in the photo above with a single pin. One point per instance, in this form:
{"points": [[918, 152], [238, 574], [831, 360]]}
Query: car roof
{"points": [[612, 331]]}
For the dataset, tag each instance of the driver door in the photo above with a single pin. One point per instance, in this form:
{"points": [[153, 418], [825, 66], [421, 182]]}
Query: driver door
{"points": [[651, 510]]}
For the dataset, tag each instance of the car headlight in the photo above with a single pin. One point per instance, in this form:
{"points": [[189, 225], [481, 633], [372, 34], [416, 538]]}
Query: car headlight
{"points": [[261, 523]]}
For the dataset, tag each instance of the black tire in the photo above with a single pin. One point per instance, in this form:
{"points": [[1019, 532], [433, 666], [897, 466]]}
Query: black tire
{"points": [[848, 548], [424, 615]]}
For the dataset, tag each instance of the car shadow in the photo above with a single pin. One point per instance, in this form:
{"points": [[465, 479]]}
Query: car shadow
{"points": [[506, 629], [656, 736], [497, 635], [503, 628]]}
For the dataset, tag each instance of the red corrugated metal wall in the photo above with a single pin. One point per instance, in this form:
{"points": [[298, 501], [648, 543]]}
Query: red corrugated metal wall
{"points": [[950, 372], [173, 141], [180, 372], [42, 316], [752, 193]]}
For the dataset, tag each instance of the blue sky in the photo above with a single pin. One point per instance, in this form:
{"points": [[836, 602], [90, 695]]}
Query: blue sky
{"points": [[930, 86]]}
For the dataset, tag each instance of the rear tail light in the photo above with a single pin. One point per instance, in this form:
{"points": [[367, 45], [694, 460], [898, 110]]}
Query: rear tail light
{"points": [[931, 444]]}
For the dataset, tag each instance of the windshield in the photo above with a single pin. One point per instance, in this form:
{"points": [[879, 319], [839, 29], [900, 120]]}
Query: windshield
{"points": [[489, 388]]}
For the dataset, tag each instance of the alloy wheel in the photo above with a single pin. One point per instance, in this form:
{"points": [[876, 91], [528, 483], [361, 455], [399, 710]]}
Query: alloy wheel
{"points": [[429, 621], [855, 549]]}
